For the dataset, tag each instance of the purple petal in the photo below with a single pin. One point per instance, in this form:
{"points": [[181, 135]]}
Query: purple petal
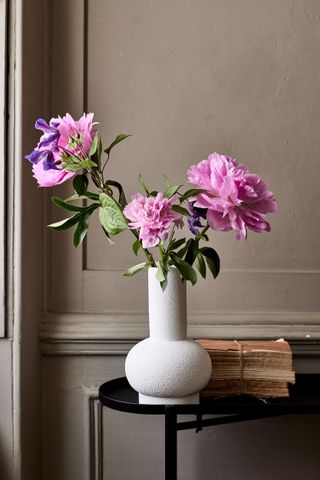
{"points": [[191, 225], [49, 162], [50, 140], [41, 124], [36, 156]]}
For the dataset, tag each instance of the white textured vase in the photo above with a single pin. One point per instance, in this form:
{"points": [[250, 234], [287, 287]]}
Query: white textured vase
{"points": [[168, 368]]}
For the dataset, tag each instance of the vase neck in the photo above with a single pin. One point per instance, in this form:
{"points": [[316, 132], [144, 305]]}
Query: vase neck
{"points": [[167, 309]]}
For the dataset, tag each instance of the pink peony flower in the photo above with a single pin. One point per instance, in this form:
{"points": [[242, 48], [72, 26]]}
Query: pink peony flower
{"points": [[51, 177], [235, 199], [46, 157], [82, 128], [153, 216]]}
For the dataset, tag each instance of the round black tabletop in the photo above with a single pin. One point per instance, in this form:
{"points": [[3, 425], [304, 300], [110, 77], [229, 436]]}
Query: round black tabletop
{"points": [[119, 395], [304, 398]]}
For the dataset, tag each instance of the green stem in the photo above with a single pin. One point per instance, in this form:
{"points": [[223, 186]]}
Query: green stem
{"points": [[78, 142], [98, 177], [171, 236], [97, 180], [146, 251], [204, 230], [72, 154]]}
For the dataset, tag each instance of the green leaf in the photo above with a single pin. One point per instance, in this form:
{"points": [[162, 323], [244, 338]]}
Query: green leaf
{"points": [[176, 244], [212, 259], [160, 275], [117, 140], [143, 185], [88, 164], [68, 158], [82, 229], [164, 284], [111, 242], [65, 224], [193, 248], [92, 196], [183, 250], [94, 145], [80, 184], [72, 167], [122, 197], [136, 247], [171, 191], [187, 272], [166, 179], [200, 264], [135, 269], [191, 193], [154, 193], [69, 222], [66, 206], [111, 216], [96, 157], [179, 209]]}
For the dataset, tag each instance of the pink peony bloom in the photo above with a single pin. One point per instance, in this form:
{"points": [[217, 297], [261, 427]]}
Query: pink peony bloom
{"points": [[153, 216], [46, 157], [235, 199], [83, 128], [51, 177]]}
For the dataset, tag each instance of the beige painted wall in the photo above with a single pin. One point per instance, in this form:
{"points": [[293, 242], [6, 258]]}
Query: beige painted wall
{"points": [[186, 78]]}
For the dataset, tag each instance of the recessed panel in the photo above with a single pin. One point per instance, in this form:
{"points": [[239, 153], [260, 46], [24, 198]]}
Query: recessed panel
{"points": [[240, 78]]}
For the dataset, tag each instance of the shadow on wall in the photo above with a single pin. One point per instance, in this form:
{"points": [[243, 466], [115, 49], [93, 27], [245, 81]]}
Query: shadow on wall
{"points": [[5, 458], [278, 448]]}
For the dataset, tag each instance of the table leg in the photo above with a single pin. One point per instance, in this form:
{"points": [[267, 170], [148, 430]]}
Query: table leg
{"points": [[170, 443]]}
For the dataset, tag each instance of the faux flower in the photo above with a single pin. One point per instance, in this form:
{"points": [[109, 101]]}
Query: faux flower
{"points": [[55, 142], [194, 220], [227, 197], [47, 149], [153, 216], [235, 199], [51, 177], [83, 129]]}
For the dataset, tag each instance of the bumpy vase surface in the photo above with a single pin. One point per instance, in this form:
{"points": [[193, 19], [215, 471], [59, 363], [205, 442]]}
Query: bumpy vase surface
{"points": [[168, 368]]}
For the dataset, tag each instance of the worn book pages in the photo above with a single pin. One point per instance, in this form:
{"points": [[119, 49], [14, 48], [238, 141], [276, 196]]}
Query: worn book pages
{"points": [[261, 368]]}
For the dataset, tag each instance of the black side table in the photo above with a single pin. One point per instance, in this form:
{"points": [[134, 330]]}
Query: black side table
{"points": [[304, 399]]}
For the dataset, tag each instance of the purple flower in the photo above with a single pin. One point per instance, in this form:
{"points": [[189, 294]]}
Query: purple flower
{"points": [[153, 217], [43, 156], [51, 133], [194, 220], [55, 141], [47, 148], [235, 199]]}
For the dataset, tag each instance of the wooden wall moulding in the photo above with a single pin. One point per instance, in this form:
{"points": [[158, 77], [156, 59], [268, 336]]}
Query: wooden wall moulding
{"points": [[94, 434], [115, 334], [4, 158]]}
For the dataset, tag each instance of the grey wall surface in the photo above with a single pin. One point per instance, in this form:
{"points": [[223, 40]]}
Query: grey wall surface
{"points": [[83, 441]]}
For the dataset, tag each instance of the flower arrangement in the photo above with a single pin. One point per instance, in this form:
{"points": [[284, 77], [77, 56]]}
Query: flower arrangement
{"points": [[223, 196]]}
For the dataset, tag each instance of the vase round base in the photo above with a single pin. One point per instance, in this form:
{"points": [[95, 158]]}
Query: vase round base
{"points": [[187, 400], [168, 368]]}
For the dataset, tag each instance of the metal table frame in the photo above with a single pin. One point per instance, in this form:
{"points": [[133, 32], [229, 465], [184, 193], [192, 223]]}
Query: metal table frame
{"points": [[304, 399]]}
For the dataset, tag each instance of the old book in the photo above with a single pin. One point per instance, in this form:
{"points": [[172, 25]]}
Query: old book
{"points": [[251, 367]]}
